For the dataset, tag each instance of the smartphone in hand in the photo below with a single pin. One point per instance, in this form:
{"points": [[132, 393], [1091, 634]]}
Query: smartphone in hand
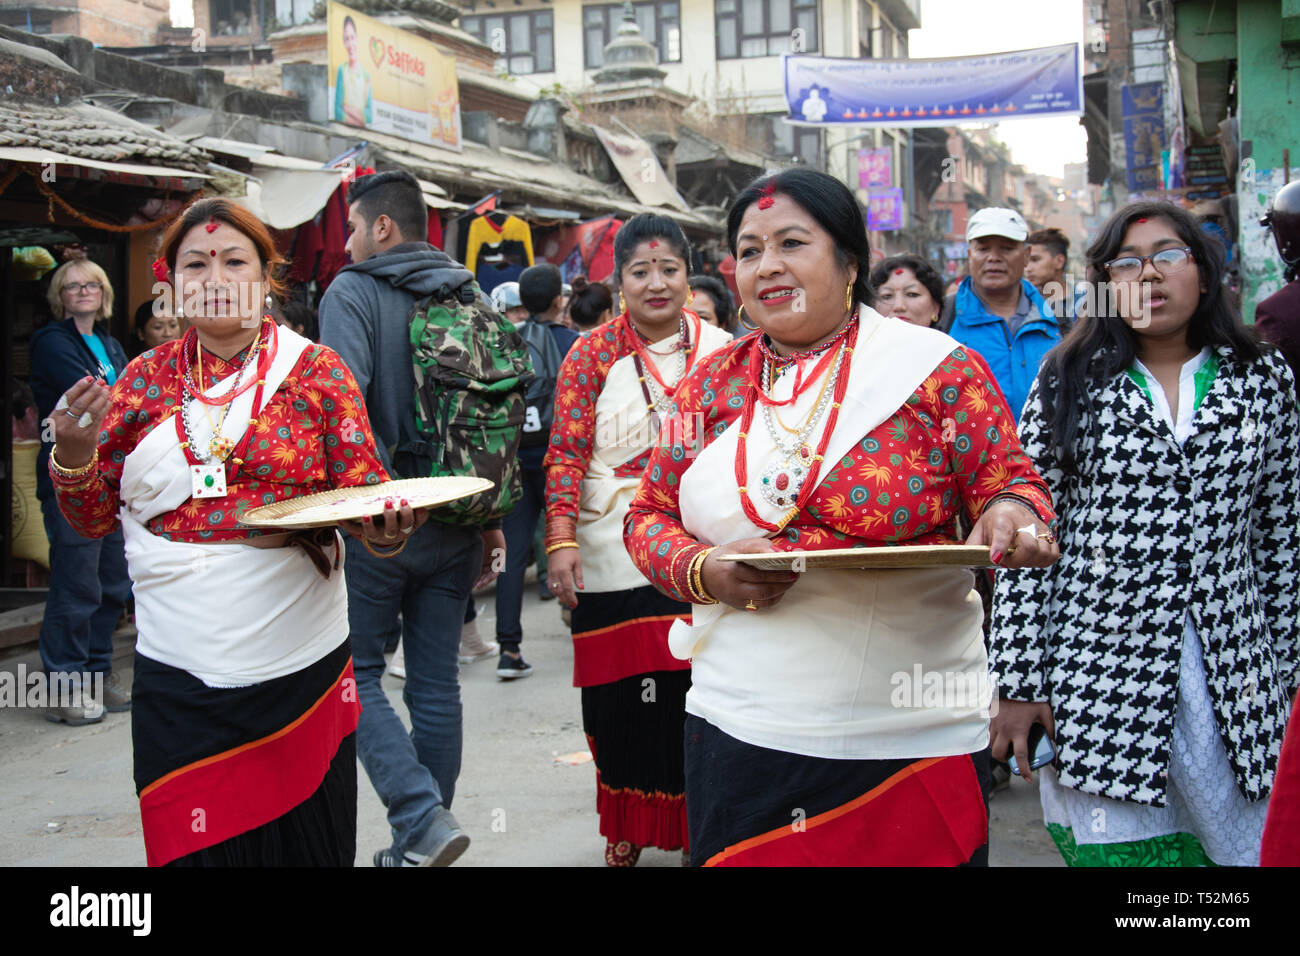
{"points": [[1041, 750]]}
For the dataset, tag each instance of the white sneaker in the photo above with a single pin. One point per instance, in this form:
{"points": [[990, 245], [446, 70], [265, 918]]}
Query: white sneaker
{"points": [[474, 648], [397, 666]]}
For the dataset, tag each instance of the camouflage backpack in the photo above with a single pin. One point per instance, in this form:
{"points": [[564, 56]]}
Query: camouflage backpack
{"points": [[471, 371]]}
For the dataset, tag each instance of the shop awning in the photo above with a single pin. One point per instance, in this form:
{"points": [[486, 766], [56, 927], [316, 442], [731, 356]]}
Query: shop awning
{"points": [[285, 198], [134, 174]]}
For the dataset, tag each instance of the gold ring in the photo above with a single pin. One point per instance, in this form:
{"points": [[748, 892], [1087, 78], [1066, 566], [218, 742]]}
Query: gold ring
{"points": [[751, 606], [1047, 536]]}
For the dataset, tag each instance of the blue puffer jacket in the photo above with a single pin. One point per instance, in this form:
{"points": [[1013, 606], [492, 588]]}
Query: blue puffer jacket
{"points": [[1013, 361]]}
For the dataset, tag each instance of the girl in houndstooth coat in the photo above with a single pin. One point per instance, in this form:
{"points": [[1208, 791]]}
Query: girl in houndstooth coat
{"points": [[1161, 652]]}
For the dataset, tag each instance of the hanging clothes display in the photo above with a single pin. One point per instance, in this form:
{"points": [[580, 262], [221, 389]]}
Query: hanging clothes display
{"points": [[503, 233]]}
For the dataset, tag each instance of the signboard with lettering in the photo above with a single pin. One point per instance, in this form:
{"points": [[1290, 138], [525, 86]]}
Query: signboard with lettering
{"points": [[885, 210], [1143, 111], [875, 167], [390, 80]]}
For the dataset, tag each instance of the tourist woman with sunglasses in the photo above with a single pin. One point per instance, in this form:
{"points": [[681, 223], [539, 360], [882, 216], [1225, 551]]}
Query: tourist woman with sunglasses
{"points": [[1160, 653]]}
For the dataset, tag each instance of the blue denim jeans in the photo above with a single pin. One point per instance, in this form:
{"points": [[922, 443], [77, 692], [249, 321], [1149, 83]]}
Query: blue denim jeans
{"points": [[518, 527], [89, 586], [428, 584]]}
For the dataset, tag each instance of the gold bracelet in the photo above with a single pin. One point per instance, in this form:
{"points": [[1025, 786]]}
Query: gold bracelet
{"points": [[383, 554], [551, 549], [69, 473], [697, 578]]}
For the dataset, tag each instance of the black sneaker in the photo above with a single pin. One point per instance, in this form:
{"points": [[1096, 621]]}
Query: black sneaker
{"points": [[441, 845], [509, 668]]}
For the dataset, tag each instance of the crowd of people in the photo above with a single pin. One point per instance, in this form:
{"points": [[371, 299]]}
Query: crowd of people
{"points": [[1127, 450]]}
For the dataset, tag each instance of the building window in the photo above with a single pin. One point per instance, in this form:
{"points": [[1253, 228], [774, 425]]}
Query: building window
{"points": [[660, 24], [523, 42], [886, 43], [765, 27], [864, 31], [230, 17], [796, 142], [943, 221]]}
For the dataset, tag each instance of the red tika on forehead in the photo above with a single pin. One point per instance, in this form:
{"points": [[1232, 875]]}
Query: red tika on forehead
{"points": [[1143, 219], [765, 197], [654, 243], [898, 272], [211, 226]]}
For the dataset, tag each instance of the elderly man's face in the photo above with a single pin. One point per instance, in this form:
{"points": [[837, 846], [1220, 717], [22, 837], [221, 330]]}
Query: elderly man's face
{"points": [[996, 263]]}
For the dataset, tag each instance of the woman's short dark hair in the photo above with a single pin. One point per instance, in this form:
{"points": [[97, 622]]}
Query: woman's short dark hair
{"points": [[1102, 344], [828, 201], [716, 290], [924, 272], [644, 227], [589, 301]]}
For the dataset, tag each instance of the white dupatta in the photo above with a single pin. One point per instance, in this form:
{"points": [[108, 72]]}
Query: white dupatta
{"points": [[228, 613], [820, 673], [624, 429]]}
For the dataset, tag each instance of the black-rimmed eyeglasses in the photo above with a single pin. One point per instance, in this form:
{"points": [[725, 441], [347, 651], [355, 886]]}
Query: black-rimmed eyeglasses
{"points": [[1165, 262]]}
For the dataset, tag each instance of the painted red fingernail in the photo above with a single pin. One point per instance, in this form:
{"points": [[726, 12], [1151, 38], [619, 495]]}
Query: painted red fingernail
{"points": [[405, 503], [997, 557], [365, 519], [388, 505]]}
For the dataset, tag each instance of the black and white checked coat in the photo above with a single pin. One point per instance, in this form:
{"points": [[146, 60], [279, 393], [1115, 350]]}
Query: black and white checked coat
{"points": [[1149, 533]]}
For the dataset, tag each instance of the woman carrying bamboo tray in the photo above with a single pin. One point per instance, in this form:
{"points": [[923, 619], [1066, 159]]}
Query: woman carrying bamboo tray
{"points": [[807, 741], [244, 705], [614, 386]]}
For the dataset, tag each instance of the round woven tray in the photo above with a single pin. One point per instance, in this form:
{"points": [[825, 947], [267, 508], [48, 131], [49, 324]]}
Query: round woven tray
{"points": [[871, 559], [327, 508]]}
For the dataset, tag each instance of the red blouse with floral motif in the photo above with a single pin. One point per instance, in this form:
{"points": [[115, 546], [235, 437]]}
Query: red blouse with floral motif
{"points": [[573, 430], [313, 434], [952, 447]]}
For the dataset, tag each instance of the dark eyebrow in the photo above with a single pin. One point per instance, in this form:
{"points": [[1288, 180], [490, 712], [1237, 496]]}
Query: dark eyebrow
{"points": [[665, 257], [782, 230], [201, 251], [1158, 243]]}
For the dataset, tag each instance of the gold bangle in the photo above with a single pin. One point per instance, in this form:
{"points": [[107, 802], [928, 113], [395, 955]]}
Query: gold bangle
{"points": [[551, 549], [697, 578], [64, 472], [365, 542]]}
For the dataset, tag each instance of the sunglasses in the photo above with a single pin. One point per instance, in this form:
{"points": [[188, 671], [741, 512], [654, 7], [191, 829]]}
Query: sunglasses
{"points": [[76, 288], [1166, 262]]}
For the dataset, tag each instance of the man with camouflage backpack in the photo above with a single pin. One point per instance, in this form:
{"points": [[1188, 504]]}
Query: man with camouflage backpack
{"points": [[366, 316]]}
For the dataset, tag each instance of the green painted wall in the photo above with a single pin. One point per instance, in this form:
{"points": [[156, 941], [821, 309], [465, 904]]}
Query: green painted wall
{"points": [[1206, 30], [1268, 88]]}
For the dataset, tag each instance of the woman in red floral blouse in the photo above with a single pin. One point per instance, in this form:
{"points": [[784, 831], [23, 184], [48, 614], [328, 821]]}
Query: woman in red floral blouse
{"points": [[614, 385], [244, 706], [837, 716]]}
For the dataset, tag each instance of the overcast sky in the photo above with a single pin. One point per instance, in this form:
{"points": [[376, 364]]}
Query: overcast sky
{"points": [[962, 27]]}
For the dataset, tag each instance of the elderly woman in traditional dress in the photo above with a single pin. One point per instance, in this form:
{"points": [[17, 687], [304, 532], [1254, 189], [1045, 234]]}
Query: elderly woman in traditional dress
{"points": [[807, 737], [244, 706], [615, 384]]}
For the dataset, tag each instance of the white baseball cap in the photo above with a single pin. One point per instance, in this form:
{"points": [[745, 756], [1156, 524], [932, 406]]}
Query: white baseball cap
{"points": [[506, 296], [997, 221]]}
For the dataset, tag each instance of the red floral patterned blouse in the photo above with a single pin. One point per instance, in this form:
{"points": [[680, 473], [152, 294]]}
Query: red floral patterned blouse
{"points": [[952, 447], [314, 434], [573, 429]]}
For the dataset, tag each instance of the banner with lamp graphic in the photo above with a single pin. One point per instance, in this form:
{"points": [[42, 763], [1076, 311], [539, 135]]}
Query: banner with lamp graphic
{"points": [[391, 80], [829, 91]]}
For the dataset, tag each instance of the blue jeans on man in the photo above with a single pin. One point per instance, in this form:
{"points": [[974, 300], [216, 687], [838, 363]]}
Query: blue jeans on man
{"points": [[89, 587], [428, 584], [518, 526]]}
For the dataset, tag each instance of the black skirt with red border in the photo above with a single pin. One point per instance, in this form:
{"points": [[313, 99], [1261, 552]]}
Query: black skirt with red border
{"points": [[751, 806], [634, 721], [263, 775]]}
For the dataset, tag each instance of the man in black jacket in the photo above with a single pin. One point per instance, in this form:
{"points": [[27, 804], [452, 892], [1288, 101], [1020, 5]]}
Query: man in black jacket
{"points": [[89, 585]]}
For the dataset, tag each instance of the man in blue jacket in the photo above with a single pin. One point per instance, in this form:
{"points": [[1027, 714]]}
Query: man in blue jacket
{"points": [[999, 313]]}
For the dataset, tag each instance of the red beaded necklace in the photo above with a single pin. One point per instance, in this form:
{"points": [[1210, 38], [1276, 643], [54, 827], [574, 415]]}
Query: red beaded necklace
{"points": [[189, 359], [640, 347], [756, 363], [241, 450], [762, 351]]}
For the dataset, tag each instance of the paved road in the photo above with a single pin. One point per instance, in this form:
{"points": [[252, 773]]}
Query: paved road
{"points": [[67, 798]]}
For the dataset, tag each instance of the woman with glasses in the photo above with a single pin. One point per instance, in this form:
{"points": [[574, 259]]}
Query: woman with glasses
{"points": [[88, 579], [1160, 653]]}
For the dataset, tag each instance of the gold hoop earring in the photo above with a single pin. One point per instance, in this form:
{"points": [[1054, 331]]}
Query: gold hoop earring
{"points": [[743, 320], [848, 298], [622, 305]]}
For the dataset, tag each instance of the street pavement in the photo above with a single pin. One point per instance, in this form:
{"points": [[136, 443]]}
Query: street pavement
{"points": [[526, 793]]}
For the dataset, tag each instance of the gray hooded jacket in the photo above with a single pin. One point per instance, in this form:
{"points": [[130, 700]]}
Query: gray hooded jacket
{"points": [[363, 317]]}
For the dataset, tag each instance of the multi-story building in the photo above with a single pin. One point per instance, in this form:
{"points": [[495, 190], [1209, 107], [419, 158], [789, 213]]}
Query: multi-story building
{"points": [[726, 54], [139, 23]]}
